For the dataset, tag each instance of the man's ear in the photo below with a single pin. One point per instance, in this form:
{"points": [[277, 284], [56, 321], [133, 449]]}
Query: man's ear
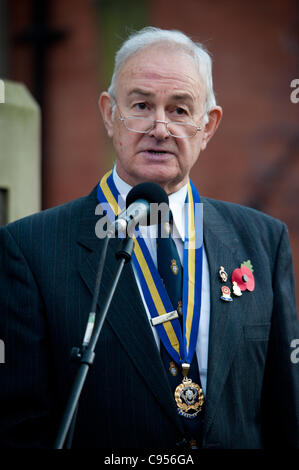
{"points": [[105, 105], [211, 126]]}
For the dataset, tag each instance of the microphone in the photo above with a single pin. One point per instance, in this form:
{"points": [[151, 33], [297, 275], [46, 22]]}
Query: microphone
{"points": [[137, 210]]}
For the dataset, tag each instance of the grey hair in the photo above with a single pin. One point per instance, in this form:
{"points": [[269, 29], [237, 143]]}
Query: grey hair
{"points": [[151, 35]]}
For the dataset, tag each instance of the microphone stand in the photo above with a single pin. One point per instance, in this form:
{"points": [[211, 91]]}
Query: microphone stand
{"points": [[86, 354]]}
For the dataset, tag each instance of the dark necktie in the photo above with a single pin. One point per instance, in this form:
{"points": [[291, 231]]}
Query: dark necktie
{"points": [[171, 272], [169, 264]]}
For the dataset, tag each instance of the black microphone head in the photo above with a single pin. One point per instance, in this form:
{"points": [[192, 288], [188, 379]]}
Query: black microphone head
{"points": [[151, 192]]}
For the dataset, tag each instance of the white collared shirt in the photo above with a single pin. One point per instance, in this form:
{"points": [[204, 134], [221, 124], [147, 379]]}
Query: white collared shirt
{"points": [[149, 233]]}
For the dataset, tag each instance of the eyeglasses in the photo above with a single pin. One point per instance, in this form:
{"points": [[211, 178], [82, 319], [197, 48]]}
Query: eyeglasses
{"points": [[142, 125]]}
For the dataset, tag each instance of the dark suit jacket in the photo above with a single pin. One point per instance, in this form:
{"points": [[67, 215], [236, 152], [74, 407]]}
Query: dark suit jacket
{"points": [[48, 265]]}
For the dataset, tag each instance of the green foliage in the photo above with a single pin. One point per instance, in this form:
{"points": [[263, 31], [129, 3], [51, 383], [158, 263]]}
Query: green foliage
{"points": [[248, 265]]}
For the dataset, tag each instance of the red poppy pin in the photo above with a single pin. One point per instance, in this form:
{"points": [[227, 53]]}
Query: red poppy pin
{"points": [[243, 276]]}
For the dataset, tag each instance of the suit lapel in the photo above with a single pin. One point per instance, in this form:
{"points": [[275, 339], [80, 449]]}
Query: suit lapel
{"points": [[226, 318], [126, 316]]}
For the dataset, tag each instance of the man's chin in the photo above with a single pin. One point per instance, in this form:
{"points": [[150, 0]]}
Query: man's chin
{"points": [[158, 177], [169, 182]]}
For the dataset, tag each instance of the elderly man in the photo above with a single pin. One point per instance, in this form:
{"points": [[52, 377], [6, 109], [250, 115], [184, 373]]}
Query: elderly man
{"points": [[216, 375]]}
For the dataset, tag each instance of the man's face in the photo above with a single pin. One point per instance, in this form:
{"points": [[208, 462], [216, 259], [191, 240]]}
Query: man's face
{"points": [[161, 84]]}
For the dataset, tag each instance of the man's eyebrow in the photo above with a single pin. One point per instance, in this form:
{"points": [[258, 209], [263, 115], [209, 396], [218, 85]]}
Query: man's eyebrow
{"points": [[182, 97], [176, 96], [139, 91]]}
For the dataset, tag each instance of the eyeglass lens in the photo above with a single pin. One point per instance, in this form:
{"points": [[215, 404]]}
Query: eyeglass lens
{"points": [[144, 125]]}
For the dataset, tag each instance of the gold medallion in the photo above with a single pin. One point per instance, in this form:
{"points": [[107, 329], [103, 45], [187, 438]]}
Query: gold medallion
{"points": [[189, 398]]}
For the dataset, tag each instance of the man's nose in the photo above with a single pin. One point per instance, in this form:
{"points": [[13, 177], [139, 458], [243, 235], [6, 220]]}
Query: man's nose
{"points": [[159, 130]]}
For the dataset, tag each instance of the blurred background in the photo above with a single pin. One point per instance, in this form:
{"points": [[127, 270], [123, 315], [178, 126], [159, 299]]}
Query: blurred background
{"points": [[63, 52]]}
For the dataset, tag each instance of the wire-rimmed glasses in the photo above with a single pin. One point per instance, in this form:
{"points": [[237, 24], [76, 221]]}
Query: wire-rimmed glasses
{"points": [[143, 125]]}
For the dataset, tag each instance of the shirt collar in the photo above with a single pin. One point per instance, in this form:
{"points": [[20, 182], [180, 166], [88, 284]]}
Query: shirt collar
{"points": [[176, 203]]}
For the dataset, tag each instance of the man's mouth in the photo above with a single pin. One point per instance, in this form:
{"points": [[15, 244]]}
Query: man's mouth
{"points": [[157, 152]]}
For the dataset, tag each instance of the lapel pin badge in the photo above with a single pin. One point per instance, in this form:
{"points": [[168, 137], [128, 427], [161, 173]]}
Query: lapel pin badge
{"points": [[243, 277], [222, 274], [236, 289], [226, 294]]}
